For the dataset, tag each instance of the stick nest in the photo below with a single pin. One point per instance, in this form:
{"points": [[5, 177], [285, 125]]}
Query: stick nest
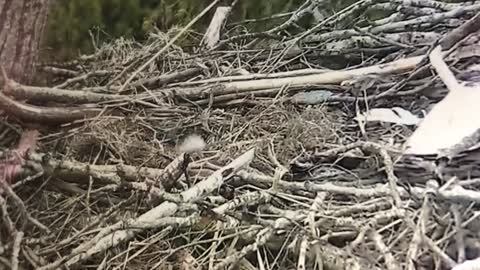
{"points": [[114, 190]]}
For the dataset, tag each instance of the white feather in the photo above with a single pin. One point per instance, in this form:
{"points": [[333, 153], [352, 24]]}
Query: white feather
{"points": [[192, 143]]}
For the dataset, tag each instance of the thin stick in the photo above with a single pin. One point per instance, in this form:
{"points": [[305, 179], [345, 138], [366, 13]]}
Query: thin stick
{"points": [[444, 72], [170, 43]]}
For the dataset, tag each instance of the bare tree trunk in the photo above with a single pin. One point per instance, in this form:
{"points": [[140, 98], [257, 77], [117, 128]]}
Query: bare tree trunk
{"points": [[22, 24]]}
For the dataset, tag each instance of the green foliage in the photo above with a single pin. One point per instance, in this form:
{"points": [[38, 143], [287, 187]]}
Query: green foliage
{"points": [[71, 20], [259, 9], [69, 24]]}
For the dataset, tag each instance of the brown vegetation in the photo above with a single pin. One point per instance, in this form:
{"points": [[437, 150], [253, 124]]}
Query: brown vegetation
{"points": [[286, 178]]}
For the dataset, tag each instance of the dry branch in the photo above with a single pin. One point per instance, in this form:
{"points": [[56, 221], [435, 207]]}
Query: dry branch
{"points": [[212, 35], [37, 114], [58, 95], [160, 205], [332, 77], [46, 115], [160, 216], [81, 173]]}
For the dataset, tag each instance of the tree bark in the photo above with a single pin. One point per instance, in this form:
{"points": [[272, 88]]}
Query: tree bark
{"points": [[22, 24]]}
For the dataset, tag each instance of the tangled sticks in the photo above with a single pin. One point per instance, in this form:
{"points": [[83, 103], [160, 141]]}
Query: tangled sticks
{"points": [[129, 205]]}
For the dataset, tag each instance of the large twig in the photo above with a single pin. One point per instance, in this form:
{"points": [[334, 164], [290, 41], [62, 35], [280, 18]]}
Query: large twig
{"points": [[161, 215], [37, 114]]}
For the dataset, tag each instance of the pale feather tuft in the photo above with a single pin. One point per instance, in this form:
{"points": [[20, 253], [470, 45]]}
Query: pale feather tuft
{"points": [[192, 143]]}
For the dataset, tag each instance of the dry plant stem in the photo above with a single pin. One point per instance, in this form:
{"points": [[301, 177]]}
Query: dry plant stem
{"points": [[102, 265], [433, 4], [212, 35], [172, 172], [394, 41], [460, 235], [456, 194], [302, 253], [359, 208], [155, 239], [223, 99], [234, 89], [47, 115], [170, 43], [382, 39], [461, 32], [7, 221], [314, 208], [5, 263], [331, 77], [418, 234], [261, 239], [23, 210], [31, 257], [215, 243], [429, 20], [27, 179], [161, 215], [108, 174], [47, 94], [253, 198], [280, 170], [267, 18], [360, 238], [167, 78], [250, 198], [90, 226], [380, 217], [83, 77], [223, 238], [355, 8], [36, 114], [364, 193], [16, 249], [370, 147], [155, 194], [303, 10], [255, 76], [436, 59], [16, 234], [113, 235], [439, 252], [214, 181], [60, 71], [379, 204], [327, 20], [390, 261], [261, 261], [336, 258], [421, 67], [387, 161], [292, 217]]}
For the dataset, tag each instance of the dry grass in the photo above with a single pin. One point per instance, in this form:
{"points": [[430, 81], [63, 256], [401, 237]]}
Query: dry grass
{"points": [[275, 201]]}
